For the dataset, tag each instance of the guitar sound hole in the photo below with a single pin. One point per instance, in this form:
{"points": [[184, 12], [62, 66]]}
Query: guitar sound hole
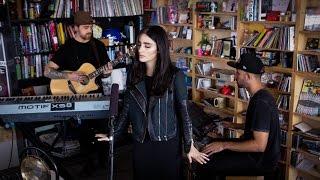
{"points": [[85, 81]]}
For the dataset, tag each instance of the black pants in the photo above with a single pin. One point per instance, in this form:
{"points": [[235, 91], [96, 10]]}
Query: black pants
{"points": [[157, 160], [228, 163], [89, 147]]}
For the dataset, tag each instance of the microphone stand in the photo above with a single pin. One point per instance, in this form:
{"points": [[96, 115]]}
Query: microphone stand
{"points": [[111, 143], [114, 97]]}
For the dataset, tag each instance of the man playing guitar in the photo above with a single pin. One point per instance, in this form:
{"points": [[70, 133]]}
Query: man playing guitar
{"points": [[65, 64], [83, 48]]}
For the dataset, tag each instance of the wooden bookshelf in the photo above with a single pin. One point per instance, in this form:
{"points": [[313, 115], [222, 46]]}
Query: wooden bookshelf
{"points": [[270, 22], [166, 24], [240, 105], [298, 79], [219, 13]]}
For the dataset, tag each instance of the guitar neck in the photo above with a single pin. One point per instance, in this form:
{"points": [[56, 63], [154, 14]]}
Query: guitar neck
{"points": [[99, 71]]}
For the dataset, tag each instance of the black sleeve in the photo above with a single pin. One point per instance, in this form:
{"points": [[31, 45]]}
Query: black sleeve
{"points": [[262, 116], [60, 57], [181, 97], [104, 58]]}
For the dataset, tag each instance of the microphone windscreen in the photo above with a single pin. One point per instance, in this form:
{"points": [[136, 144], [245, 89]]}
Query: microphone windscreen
{"points": [[114, 98]]}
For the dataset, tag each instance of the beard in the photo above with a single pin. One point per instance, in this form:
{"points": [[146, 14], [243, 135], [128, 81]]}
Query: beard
{"points": [[86, 36]]}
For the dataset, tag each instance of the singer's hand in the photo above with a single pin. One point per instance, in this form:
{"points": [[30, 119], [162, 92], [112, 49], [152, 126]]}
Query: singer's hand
{"points": [[102, 137]]}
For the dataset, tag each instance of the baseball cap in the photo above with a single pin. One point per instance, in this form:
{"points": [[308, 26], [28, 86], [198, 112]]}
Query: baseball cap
{"points": [[82, 18], [249, 63]]}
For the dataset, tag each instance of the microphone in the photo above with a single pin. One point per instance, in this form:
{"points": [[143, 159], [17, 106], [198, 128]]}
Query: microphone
{"points": [[114, 98]]}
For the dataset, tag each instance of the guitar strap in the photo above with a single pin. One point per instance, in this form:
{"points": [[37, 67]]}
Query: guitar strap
{"points": [[71, 88], [95, 51]]}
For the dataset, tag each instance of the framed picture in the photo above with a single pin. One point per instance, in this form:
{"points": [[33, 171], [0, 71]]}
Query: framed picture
{"points": [[226, 48]]}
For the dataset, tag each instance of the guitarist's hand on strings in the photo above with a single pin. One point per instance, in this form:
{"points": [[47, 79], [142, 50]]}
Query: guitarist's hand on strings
{"points": [[107, 68], [76, 76]]}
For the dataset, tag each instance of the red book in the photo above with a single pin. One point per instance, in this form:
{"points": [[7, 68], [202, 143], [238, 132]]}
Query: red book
{"points": [[146, 4]]}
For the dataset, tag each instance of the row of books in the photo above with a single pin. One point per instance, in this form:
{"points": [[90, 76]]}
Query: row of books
{"points": [[301, 162], [151, 19], [283, 101], [283, 135], [307, 144], [149, 4], [98, 8], [306, 129], [37, 38], [312, 19], [308, 63], [31, 66], [214, 22], [285, 83], [244, 94], [204, 68], [276, 38], [279, 81], [275, 58], [309, 99], [256, 10], [171, 14], [183, 32]]}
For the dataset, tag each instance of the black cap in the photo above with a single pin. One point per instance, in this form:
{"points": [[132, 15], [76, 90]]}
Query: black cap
{"points": [[249, 63]]}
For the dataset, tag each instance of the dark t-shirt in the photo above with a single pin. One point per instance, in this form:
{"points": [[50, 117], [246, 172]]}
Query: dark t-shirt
{"points": [[262, 115], [73, 54]]}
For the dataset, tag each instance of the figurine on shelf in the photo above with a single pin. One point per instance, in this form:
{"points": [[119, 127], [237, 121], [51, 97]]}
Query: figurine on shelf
{"points": [[213, 40], [214, 7]]}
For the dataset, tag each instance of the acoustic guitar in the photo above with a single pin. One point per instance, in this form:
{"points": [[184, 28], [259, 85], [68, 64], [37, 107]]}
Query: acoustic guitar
{"points": [[67, 87]]}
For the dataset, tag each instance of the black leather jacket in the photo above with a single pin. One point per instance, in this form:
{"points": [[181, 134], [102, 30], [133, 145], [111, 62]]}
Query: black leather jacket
{"points": [[163, 115]]}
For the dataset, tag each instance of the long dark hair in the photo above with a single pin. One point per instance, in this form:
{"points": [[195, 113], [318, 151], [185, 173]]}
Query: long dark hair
{"points": [[164, 70]]}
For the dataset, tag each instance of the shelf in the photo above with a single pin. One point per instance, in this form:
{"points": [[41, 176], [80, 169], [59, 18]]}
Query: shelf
{"points": [[213, 58], [309, 155], [35, 53], [278, 91], [207, 29], [167, 24], [150, 10], [308, 75], [278, 69], [121, 45], [180, 39], [215, 93], [309, 52], [308, 172], [267, 49], [283, 110], [219, 13], [310, 32], [315, 118], [284, 146], [282, 162], [232, 83], [181, 55], [215, 109], [306, 135], [243, 101], [270, 22], [189, 74]]}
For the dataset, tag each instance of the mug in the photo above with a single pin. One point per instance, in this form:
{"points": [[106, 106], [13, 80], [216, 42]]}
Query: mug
{"points": [[219, 102]]}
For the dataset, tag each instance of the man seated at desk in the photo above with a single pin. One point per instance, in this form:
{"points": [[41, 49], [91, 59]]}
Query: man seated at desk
{"points": [[259, 147]]}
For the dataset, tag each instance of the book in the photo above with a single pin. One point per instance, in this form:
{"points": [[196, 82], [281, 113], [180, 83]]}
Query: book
{"points": [[309, 99]]}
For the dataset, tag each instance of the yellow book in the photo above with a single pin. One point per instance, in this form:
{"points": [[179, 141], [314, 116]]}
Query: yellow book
{"points": [[259, 38], [61, 33]]}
